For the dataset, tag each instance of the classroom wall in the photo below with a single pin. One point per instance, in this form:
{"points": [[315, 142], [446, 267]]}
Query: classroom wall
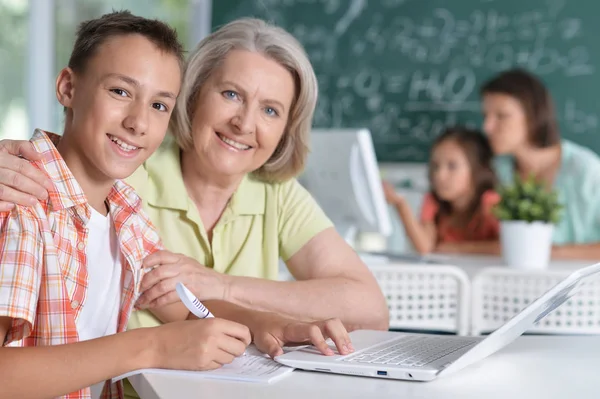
{"points": [[407, 68]]}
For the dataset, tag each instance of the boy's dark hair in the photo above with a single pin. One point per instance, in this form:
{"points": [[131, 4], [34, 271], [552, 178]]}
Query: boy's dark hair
{"points": [[479, 154], [535, 100], [93, 33]]}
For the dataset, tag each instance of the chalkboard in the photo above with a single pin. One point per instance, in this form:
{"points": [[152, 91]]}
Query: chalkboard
{"points": [[407, 68]]}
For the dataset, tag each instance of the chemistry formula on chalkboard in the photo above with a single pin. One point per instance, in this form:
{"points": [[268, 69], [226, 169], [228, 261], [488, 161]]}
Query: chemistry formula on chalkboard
{"points": [[405, 69]]}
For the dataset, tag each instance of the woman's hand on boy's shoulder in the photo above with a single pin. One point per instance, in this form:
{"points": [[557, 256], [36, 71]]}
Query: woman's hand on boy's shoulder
{"points": [[272, 332], [165, 269], [20, 182]]}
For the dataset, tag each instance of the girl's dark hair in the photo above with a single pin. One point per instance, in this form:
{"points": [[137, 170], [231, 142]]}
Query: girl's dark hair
{"points": [[479, 154], [535, 100]]}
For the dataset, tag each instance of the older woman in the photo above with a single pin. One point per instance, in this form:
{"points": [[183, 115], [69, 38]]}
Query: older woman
{"points": [[223, 195], [520, 123]]}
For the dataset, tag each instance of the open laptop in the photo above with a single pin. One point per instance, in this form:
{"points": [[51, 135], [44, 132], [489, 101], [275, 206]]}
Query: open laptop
{"points": [[424, 357]]}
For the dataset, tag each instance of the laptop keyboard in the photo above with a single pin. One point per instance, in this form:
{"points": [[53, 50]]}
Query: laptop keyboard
{"points": [[410, 351]]}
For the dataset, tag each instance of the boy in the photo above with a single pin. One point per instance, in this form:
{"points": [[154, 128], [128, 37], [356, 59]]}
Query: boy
{"points": [[70, 266]]}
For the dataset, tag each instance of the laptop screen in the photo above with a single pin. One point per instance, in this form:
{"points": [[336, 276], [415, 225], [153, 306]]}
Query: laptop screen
{"points": [[532, 314]]}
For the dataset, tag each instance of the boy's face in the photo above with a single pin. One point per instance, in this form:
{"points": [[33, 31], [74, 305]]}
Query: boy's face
{"points": [[119, 107]]}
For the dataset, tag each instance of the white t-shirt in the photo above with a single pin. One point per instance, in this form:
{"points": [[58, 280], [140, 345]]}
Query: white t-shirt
{"points": [[99, 314]]}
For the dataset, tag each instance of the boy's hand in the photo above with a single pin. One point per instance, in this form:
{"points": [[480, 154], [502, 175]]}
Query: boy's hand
{"points": [[20, 182], [271, 332], [200, 344]]}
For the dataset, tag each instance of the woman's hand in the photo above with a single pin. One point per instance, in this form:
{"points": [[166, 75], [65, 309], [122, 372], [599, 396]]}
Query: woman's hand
{"points": [[167, 269], [271, 332], [20, 182]]}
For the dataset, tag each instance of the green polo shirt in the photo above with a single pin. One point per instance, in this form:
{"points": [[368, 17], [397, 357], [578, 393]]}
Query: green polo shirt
{"points": [[578, 187], [262, 223]]}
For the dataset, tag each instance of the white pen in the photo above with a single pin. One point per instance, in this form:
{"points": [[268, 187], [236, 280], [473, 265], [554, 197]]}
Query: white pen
{"points": [[192, 303]]}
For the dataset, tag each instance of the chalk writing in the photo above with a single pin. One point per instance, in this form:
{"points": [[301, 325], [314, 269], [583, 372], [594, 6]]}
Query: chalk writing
{"points": [[406, 69]]}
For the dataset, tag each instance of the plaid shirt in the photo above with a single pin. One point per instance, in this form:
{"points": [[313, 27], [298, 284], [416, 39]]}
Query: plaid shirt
{"points": [[43, 274]]}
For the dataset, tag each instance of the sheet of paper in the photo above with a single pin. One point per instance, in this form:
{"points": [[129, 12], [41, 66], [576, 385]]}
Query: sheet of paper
{"points": [[252, 367]]}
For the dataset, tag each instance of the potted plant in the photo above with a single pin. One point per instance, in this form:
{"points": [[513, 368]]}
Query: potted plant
{"points": [[527, 211]]}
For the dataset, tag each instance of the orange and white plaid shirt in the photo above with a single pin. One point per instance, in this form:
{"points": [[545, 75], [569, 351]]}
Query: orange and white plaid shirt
{"points": [[43, 273]]}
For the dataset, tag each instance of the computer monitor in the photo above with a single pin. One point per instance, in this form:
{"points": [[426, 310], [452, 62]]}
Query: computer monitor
{"points": [[343, 176]]}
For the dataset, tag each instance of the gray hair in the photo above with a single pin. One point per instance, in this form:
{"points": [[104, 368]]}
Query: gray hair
{"points": [[254, 35]]}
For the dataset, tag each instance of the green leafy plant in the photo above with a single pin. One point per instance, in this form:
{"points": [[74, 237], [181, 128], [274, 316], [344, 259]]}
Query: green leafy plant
{"points": [[528, 200]]}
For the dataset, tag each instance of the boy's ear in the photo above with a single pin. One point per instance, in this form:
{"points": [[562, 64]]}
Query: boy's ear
{"points": [[65, 87]]}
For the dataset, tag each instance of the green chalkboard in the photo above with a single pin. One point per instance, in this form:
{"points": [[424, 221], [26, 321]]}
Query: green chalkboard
{"points": [[407, 68]]}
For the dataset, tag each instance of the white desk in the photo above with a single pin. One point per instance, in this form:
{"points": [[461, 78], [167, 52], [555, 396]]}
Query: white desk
{"points": [[472, 264], [532, 367]]}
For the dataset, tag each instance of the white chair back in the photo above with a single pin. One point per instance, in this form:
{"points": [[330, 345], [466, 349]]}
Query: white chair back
{"points": [[500, 293], [425, 297]]}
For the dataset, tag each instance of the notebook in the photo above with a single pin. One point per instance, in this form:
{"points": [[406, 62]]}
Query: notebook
{"points": [[254, 366]]}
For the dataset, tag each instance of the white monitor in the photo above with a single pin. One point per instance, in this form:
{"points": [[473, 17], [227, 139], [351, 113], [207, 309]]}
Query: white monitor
{"points": [[343, 176]]}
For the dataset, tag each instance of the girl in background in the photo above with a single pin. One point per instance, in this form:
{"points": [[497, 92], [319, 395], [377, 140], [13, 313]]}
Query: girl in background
{"points": [[456, 214]]}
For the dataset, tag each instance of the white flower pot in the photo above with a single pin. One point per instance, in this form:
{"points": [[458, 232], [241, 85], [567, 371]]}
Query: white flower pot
{"points": [[526, 245]]}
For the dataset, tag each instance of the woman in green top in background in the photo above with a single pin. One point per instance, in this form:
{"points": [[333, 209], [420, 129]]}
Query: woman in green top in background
{"points": [[223, 195], [520, 122]]}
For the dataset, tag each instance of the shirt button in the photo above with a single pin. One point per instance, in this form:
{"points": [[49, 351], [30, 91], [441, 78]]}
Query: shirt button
{"points": [[74, 304], [80, 246]]}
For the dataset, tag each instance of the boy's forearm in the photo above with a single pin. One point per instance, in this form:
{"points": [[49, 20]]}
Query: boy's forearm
{"points": [[51, 371]]}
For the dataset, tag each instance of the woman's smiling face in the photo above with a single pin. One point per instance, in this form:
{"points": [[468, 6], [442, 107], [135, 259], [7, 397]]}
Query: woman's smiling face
{"points": [[241, 113]]}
